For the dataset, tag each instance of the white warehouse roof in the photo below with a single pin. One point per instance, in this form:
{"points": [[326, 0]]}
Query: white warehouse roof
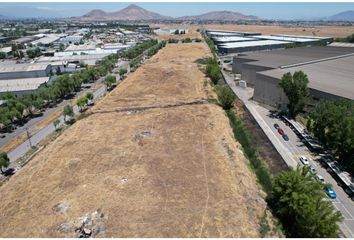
{"points": [[22, 84], [252, 43], [233, 39], [22, 67], [284, 38]]}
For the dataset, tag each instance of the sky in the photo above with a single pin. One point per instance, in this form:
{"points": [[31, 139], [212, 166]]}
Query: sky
{"points": [[274, 10]]}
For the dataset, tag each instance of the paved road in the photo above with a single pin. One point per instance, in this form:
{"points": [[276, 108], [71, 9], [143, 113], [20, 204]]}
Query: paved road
{"points": [[23, 148], [294, 148]]}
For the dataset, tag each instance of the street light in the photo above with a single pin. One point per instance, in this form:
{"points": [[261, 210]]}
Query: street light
{"points": [[29, 138]]}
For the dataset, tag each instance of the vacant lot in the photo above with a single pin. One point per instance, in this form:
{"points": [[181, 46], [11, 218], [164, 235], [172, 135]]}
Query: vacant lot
{"points": [[330, 31], [153, 160]]}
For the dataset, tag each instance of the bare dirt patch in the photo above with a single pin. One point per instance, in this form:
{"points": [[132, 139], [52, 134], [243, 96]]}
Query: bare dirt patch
{"points": [[161, 172]]}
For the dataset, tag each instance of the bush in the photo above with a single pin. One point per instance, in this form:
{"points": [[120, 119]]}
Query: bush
{"points": [[226, 97]]}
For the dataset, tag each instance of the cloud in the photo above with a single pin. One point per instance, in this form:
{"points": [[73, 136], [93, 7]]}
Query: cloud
{"points": [[44, 8]]}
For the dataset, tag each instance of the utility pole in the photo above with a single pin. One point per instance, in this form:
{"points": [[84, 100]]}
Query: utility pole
{"points": [[29, 138]]}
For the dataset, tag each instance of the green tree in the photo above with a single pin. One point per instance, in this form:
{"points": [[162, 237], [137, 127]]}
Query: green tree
{"points": [[332, 122], [226, 97], [298, 201], [122, 71], [4, 161], [110, 81], [296, 90], [212, 70], [68, 111], [2, 55], [56, 123], [82, 102]]}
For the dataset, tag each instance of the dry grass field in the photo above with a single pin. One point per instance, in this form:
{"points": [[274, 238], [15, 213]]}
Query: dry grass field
{"points": [[330, 31], [154, 159], [325, 31]]}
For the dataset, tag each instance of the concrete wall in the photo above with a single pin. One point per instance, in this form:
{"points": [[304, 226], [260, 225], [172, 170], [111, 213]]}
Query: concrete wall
{"points": [[251, 48], [249, 73], [237, 64], [266, 91]]}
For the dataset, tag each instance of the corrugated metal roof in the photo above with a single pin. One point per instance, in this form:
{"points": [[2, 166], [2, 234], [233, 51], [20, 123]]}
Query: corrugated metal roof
{"points": [[23, 84], [252, 44], [284, 38], [22, 67]]}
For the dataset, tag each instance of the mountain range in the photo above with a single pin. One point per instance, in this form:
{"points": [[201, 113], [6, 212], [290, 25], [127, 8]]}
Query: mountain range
{"points": [[134, 12], [343, 16]]}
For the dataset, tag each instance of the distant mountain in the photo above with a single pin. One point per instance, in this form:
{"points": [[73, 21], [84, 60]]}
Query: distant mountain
{"points": [[343, 16], [221, 16], [132, 12]]}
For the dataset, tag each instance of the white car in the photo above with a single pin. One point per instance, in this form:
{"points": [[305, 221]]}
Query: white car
{"points": [[320, 178], [304, 160]]}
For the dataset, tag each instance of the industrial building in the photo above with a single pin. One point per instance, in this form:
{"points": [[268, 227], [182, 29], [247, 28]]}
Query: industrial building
{"points": [[77, 59], [250, 46], [22, 86], [229, 42], [329, 69], [24, 70]]}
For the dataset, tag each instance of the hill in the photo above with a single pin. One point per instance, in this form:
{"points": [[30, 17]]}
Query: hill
{"points": [[132, 12], [343, 16], [154, 159], [221, 16]]}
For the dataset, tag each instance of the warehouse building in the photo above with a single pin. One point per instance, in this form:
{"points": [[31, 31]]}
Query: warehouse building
{"points": [[229, 42], [250, 46], [77, 59], [22, 86], [24, 70], [329, 69]]}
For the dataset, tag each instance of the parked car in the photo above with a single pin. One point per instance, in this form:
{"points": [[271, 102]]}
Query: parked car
{"points": [[276, 126], [330, 192], [312, 169], [320, 178], [304, 160], [2, 136], [281, 131], [285, 137]]}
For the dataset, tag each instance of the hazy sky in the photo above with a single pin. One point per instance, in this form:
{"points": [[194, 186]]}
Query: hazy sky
{"points": [[273, 10]]}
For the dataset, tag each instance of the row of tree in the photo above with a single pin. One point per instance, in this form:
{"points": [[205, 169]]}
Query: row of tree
{"points": [[138, 49], [332, 122], [154, 49], [17, 109]]}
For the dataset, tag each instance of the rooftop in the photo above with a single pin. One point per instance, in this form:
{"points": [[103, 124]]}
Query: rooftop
{"points": [[233, 39], [333, 76], [22, 67], [285, 38], [252, 43], [280, 57], [23, 84]]}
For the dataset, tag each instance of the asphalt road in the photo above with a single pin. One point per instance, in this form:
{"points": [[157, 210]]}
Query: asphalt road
{"points": [[294, 148]]}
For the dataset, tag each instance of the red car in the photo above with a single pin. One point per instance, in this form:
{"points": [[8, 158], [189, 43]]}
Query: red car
{"points": [[281, 131]]}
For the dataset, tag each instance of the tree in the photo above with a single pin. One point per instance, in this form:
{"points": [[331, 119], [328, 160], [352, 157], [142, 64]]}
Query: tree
{"points": [[298, 201], [296, 90], [68, 111], [122, 72], [332, 122], [110, 81], [226, 97], [82, 102], [18, 54], [2, 55], [4, 161], [56, 123]]}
